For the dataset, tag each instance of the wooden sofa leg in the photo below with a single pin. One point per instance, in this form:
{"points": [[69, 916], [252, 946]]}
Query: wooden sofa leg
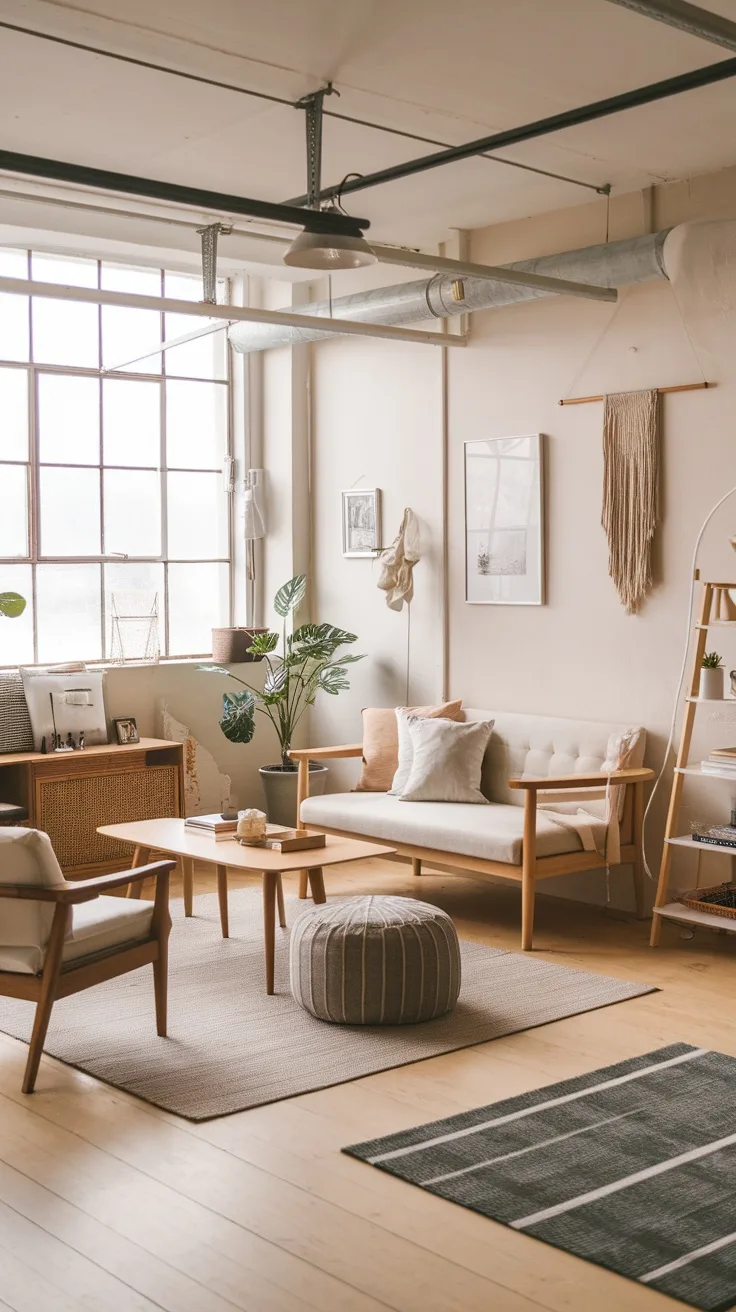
{"points": [[528, 868], [638, 865], [416, 865], [49, 982]]}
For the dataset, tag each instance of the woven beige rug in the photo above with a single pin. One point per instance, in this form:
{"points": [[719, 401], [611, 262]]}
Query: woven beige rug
{"points": [[231, 1047]]}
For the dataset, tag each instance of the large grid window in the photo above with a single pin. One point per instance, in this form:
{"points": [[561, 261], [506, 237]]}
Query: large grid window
{"points": [[112, 493]]}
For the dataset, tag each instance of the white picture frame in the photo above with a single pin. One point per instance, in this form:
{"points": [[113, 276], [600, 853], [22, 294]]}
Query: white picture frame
{"points": [[504, 521], [361, 522]]}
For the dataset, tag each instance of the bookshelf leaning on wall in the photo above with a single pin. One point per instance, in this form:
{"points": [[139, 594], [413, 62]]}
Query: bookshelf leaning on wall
{"points": [[678, 910]]}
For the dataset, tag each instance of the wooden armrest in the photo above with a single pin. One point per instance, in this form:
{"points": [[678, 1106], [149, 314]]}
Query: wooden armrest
{"points": [[84, 890], [542, 783], [326, 753]]}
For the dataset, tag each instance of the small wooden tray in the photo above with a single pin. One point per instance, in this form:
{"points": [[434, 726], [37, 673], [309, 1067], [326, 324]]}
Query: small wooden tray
{"points": [[300, 840], [717, 901]]}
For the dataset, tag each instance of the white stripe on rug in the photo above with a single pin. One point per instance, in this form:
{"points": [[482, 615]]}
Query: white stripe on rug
{"points": [[538, 1107], [533, 1148], [687, 1258], [615, 1186]]}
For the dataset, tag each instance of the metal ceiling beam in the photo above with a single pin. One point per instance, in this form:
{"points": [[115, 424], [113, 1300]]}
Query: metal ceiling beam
{"points": [[569, 118], [193, 197], [464, 269], [688, 18], [230, 313]]}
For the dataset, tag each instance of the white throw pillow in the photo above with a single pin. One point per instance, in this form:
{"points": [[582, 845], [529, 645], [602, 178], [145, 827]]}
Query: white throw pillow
{"points": [[447, 761]]}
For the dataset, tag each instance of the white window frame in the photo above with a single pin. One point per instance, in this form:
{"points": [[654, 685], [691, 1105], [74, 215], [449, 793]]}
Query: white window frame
{"points": [[34, 465]]}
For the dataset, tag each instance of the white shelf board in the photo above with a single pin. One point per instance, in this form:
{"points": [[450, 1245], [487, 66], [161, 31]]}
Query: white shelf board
{"points": [[676, 911], [711, 701], [698, 770], [685, 840]]}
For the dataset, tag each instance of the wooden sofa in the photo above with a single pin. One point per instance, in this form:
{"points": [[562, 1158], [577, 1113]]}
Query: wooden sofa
{"points": [[530, 759]]}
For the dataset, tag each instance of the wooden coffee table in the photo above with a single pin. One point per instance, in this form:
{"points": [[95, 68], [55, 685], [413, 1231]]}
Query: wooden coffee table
{"points": [[171, 837]]}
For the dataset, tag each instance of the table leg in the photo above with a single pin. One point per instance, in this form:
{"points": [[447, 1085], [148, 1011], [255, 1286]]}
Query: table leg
{"points": [[317, 884], [187, 866], [270, 882], [140, 858], [222, 896], [303, 884], [280, 900]]}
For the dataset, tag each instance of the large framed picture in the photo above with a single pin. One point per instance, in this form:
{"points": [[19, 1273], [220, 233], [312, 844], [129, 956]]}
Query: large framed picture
{"points": [[504, 521], [361, 522]]}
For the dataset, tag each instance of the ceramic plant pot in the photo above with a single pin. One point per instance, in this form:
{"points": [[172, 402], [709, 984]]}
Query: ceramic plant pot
{"points": [[711, 684], [279, 787]]}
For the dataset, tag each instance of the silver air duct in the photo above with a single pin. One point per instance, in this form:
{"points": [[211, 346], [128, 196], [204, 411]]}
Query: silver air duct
{"points": [[615, 264]]}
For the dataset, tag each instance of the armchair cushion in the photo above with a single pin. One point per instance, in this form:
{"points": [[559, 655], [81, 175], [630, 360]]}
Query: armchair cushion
{"points": [[97, 926], [27, 857]]}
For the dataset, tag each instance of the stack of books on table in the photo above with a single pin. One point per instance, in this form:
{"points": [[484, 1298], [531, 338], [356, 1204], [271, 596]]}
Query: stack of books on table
{"points": [[213, 825], [720, 761]]}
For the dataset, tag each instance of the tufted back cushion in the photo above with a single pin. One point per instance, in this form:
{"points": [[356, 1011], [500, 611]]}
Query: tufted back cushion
{"points": [[27, 857], [526, 745]]}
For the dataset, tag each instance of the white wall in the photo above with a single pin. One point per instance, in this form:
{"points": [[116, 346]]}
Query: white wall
{"points": [[378, 414]]}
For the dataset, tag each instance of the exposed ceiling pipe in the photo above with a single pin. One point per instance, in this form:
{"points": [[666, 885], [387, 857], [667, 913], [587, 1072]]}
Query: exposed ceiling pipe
{"points": [[615, 264], [688, 18], [671, 86]]}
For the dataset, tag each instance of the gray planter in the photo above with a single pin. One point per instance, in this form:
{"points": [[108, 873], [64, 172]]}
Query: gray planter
{"points": [[279, 787], [711, 684]]}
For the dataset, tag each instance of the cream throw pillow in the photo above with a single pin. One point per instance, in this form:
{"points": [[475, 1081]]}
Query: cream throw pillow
{"points": [[447, 761], [381, 742]]}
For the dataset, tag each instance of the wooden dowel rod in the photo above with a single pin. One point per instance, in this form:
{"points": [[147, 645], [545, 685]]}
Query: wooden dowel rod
{"points": [[678, 387]]}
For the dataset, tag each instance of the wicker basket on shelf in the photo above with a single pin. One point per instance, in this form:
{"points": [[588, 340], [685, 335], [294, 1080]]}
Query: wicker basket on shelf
{"points": [[717, 901]]}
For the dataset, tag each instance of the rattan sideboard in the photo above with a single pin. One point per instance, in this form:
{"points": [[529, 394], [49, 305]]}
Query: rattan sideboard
{"points": [[69, 795]]}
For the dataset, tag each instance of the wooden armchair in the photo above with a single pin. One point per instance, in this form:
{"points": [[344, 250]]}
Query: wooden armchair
{"points": [[57, 938]]}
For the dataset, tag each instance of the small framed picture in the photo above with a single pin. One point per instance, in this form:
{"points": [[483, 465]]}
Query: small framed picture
{"points": [[126, 731], [361, 522]]}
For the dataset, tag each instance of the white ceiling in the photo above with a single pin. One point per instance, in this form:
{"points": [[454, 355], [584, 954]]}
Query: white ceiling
{"points": [[449, 71]]}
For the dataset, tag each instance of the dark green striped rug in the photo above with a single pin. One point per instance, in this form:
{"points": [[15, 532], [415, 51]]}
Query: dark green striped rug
{"points": [[632, 1167]]}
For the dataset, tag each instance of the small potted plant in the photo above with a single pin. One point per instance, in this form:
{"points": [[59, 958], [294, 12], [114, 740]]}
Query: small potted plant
{"points": [[307, 664], [711, 677]]}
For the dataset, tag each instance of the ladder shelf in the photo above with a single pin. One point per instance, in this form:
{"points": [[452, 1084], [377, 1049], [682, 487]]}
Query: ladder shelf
{"points": [[676, 911]]}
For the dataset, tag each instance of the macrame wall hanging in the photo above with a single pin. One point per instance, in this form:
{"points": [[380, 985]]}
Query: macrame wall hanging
{"points": [[630, 491]]}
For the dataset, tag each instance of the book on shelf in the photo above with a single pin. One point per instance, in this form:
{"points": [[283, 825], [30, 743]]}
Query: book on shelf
{"points": [[718, 767], [723, 754], [716, 836]]}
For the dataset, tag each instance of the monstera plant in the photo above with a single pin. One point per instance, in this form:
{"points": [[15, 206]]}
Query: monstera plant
{"points": [[309, 661], [11, 604]]}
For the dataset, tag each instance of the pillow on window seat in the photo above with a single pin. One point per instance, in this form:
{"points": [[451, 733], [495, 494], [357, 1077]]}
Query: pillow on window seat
{"points": [[381, 742]]}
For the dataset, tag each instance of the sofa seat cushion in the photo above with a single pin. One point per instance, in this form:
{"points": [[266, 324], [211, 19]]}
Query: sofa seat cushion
{"points": [[492, 833], [97, 926]]}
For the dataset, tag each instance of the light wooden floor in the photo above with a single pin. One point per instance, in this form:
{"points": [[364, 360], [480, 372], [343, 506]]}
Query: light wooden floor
{"points": [[108, 1205]]}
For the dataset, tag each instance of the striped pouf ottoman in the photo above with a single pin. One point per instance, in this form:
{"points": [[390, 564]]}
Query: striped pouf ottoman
{"points": [[375, 961]]}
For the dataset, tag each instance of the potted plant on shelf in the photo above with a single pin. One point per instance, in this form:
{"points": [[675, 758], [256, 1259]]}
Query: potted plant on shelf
{"points": [[308, 663], [711, 677]]}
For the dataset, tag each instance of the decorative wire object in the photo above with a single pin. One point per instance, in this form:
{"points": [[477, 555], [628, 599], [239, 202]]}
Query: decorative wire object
{"points": [[135, 629]]}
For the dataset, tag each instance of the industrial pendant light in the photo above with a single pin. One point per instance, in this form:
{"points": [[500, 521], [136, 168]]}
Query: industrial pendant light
{"points": [[314, 248], [328, 250]]}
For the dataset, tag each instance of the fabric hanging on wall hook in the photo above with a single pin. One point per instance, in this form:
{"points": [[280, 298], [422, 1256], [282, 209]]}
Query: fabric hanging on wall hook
{"points": [[630, 491], [397, 563]]}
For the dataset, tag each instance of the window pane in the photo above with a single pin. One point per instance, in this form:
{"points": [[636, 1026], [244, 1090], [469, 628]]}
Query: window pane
{"points": [[64, 269], [70, 511], [13, 414], [198, 602], [14, 264], [132, 512], [205, 357], [136, 588], [197, 516], [127, 334], [68, 420], [13, 511], [131, 422], [124, 278], [65, 332], [68, 607], [196, 425], [14, 330], [16, 636]]}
